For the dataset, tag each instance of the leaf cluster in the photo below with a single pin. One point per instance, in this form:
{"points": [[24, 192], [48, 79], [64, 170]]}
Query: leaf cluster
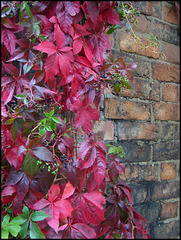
{"points": [[56, 63]]}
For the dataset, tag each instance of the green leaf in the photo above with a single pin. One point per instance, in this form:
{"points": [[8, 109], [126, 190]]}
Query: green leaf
{"points": [[18, 220], [29, 165], [52, 136], [110, 31], [48, 128], [51, 113], [4, 234], [42, 130], [27, 9], [52, 124], [24, 229], [9, 121], [22, 6], [39, 215], [14, 229], [26, 212], [55, 119], [5, 220], [35, 231]]}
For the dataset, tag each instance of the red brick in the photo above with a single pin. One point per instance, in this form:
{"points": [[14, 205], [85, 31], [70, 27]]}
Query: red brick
{"points": [[168, 171], [171, 52], [170, 93], [169, 131], [166, 111], [169, 210], [165, 72], [123, 109], [130, 44], [140, 173], [171, 15], [104, 130], [165, 190], [143, 25], [137, 130]]}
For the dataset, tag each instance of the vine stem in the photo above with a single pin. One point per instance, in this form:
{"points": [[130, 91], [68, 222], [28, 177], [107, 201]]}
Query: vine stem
{"points": [[136, 37]]}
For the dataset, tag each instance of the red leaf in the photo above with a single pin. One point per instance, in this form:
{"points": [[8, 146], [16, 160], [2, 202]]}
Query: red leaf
{"points": [[13, 159], [81, 231], [43, 153], [13, 178], [11, 69], [59, 36], [72, 7], [64, 64], [53, 192], [3, 110], [8, 92], [9, 40], [68, 190], [23, 187], [64, 18], [93, 11], [89, 158], [47, 47], [8, 191], [80, 31], [41, 204], [51, 66], [99, 167], [110, 16], [77, 45]]}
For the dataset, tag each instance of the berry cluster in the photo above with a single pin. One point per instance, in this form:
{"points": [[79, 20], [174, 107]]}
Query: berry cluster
{"points": [[68, 163], [52, 167]]}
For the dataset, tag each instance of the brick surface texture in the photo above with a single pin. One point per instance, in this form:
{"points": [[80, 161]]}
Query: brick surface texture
{"points": [[145, 120]]}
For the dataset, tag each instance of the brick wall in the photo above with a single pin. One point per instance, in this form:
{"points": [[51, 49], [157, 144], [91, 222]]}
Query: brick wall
{"points": [[145, 121]]}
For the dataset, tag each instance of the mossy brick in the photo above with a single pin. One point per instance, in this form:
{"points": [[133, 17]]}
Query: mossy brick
{"points": [[152, 8], [166, 32], [168, 171], [169, 210], [129, 110], [134, 45], [170, 230], [165, 190], [137, 130], [135, 151], [104, 130], [169, 131], [166, 150], [171, 15], [166, 111], [165, 72], [137, 172], [171, 52], [170, 93]]}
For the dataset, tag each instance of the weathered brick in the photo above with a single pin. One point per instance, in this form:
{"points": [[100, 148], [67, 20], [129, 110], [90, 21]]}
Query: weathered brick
{"points": [[171, 15], [150, 211], [164, 230], [130, 44], [135, 151], [139, 192], [169, 131], [143, 25], [138, 130], [104, 130], [165, 32], [166, 151], [165, 72], [170, 93], [165, 190], [169, 210], [166, 111], [153, 8], [171, 52], [168, 171], [121, 109], [138, 173], [142, 89]]}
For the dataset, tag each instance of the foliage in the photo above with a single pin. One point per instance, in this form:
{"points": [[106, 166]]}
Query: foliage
{"points": [[56, 63]]}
